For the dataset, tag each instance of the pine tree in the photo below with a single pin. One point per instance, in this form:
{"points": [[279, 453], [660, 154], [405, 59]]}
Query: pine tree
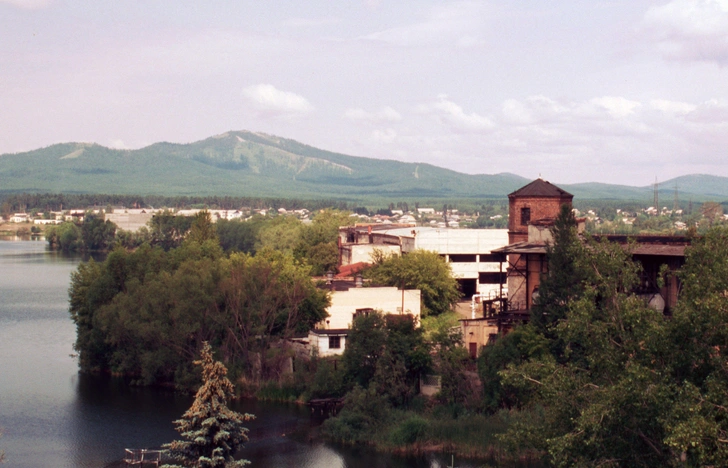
{"points": [[564, 281], [211, 432]]}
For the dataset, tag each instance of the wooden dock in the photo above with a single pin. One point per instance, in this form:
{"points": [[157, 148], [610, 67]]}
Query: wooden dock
{"points": [[326, 406]]}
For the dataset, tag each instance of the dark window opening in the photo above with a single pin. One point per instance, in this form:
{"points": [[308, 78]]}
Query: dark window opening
{"points": [[492, 258], [463, 258], [363, 312], [492, 278], [334, 342], [468, 287], [525, 216], [473, 350]]}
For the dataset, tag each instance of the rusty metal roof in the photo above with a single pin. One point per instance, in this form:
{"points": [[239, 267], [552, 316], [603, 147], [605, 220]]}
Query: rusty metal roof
{"points": [[661, 247], [659, 250], [540, 188], [522, 248]]}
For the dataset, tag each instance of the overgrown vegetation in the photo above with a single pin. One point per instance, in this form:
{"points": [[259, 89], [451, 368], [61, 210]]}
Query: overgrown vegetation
{"points": [[604, 379]]}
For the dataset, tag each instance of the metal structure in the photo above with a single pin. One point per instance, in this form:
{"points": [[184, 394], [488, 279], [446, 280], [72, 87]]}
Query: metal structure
{"points": [[142, 457]]}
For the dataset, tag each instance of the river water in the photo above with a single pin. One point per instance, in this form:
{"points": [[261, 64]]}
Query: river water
{"points": [[52, 416]]}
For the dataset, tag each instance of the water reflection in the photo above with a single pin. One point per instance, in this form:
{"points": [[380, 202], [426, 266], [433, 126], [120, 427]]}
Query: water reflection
{"points": [[55, 417]]}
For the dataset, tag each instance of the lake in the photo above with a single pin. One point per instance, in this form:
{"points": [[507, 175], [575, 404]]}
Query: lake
{"points": [[53, 416]]}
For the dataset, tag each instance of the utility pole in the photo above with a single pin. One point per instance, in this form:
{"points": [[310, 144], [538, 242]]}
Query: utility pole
{"points": [[675, 204]]}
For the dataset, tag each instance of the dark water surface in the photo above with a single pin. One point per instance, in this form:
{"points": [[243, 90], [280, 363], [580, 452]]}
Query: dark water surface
{"points": [[52, 416]]}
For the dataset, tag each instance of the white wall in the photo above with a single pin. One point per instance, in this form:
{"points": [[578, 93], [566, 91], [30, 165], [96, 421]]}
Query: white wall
{"points": [[387, 299], [321, 343]]}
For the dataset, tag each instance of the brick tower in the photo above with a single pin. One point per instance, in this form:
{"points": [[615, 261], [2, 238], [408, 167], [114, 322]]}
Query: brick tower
{"points": [[536, 201]]}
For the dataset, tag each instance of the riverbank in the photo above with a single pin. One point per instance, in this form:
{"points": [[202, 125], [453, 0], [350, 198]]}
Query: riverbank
{"points": [[423, 427], [438, 429]]}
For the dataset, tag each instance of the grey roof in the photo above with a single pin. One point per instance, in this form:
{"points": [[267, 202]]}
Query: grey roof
{"points": [[540, 188]]}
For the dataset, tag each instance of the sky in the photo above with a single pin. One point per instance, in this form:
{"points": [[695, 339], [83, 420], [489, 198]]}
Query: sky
{"points": [[614, 91]]}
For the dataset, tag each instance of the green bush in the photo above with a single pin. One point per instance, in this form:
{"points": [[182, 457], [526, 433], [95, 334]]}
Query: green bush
{"points": [[273, 391], [411, 430]]}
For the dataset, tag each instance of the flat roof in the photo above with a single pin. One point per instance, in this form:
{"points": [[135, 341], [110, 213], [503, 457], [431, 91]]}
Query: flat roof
{"points": [[331, 331]]}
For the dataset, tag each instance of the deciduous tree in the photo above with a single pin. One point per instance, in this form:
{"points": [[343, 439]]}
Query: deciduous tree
{"points": [[420, 269]]}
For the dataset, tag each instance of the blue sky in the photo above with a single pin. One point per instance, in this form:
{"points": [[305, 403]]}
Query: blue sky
{"points": [[618, 91]]}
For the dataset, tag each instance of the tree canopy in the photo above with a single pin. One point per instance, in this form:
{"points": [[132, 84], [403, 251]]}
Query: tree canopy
{"points": [[627, 386], [145, 313], [420, 269]]}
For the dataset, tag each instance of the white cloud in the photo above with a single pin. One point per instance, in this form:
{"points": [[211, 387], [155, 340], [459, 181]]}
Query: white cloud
{"points": [[672, 107], [459, 23], [613, 139], [28, 4], [616, 106], [692, 30], [385, 114], [270, 100], [452, 114], [712, 112], [387, 135], [118, 144]]}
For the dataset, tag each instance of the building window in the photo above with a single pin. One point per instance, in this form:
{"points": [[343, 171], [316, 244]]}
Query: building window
{"points": [[362, 312], [463, 258], [491, 278], [492, 258], [525, 216], [334, 342]]}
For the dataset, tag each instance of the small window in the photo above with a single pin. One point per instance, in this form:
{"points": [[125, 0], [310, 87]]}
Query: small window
{"points": [[525, 216], [363, 312], [463, 258], [334, 342]]}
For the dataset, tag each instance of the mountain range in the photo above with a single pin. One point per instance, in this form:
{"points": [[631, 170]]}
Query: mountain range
{"points": [[242, 163]]}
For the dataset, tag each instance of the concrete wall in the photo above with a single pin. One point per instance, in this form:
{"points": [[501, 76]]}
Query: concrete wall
{"points": [[129, 221], [387, 299], [356, 253], [476, 333], [321, 344]]}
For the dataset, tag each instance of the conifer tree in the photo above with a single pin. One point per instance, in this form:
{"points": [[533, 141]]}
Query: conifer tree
{"points": [[211, 432], [563, 283]]}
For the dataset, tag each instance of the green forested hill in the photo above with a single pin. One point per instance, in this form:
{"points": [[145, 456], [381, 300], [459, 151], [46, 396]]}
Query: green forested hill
{"points": [[240, 164], [243, 163]]}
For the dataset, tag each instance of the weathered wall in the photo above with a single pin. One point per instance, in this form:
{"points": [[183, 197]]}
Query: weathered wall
{"points": [[541, 208]]}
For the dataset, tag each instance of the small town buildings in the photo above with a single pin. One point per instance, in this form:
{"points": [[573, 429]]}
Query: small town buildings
{"points": [[20, 218], [329, 336], [478, 332], [46, 221], [470, 252], [328, 342], [130, 219]]}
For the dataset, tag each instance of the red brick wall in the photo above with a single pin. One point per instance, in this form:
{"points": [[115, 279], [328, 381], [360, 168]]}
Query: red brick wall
{"points": [[541, 208]]}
